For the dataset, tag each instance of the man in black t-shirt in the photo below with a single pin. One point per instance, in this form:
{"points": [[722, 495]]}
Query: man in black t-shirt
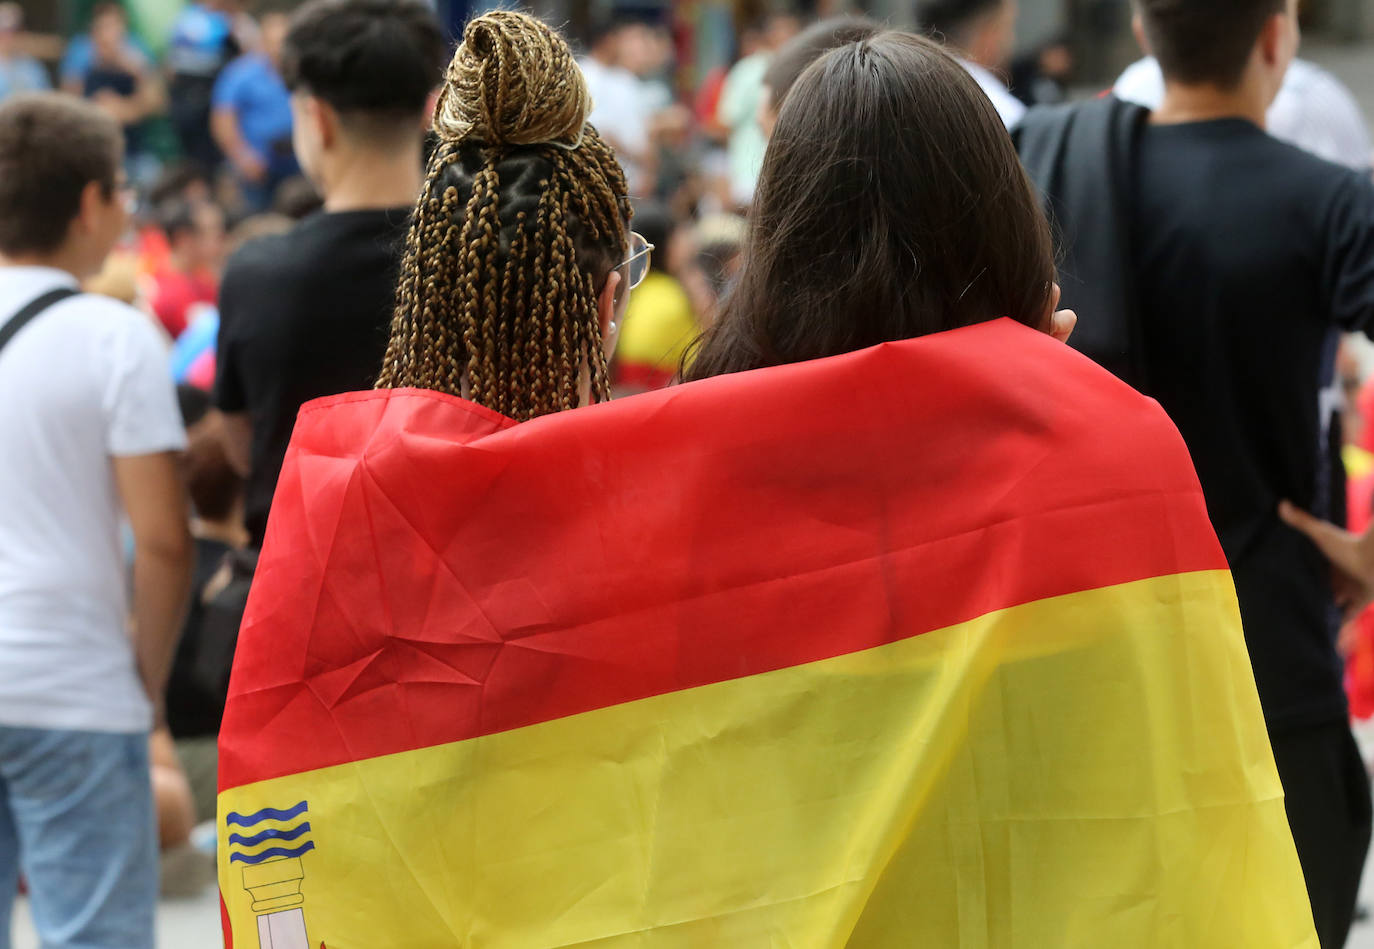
{"points": [[308, 313], [1220, 283]]}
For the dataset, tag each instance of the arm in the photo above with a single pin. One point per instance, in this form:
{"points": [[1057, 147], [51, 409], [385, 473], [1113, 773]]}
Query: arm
{"points": [[224, 126], [154, 498], [238, 441], [1351, 556], [151, 96]]}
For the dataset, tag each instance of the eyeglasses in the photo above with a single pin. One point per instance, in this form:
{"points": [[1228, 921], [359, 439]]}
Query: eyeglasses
{"points": [[637, 264]]}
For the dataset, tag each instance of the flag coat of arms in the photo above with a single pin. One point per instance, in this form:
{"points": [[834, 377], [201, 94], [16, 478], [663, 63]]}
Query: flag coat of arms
{"points": [[928, 645]]}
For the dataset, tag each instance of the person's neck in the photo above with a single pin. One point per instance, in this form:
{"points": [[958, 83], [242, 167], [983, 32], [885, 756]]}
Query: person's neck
{"points": [[374, 180], [63, 259], [1202, 103]]}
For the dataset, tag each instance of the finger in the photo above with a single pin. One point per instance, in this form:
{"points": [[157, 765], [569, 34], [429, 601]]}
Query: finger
{"points": [[1062, 324], [1322, 533]]}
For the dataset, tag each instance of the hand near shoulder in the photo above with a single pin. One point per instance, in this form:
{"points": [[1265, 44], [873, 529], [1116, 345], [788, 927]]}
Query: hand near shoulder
{"points": [[1351, 556]]}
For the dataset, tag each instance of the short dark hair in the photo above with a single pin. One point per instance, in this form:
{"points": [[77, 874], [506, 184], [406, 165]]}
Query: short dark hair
{"points": [[952, 19], [102, 10], [369, 59], [891, 205], [175, 216], [175, 179], [605, 26], [1209, 42], [51, 147], [810, 45]]}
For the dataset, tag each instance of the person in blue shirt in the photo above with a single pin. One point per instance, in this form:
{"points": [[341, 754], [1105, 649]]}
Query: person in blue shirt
{"points": [[251, 117], [18, 72]]}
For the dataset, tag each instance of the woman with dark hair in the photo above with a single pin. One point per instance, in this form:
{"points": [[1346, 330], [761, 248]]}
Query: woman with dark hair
{"points": [[891, 205]]}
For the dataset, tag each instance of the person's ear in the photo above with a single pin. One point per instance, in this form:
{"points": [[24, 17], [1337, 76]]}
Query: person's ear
{"points": [[1278, 42], [326, 121], [95, 204], [608, 310], [1138, 28]]}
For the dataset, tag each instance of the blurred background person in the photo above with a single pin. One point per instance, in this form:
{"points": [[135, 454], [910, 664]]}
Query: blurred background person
{"points": [[79, 56], [659, 322], [195, 689], [801, 51], [205, 38], [19, 72], [621, 106], [741, 98], [189, 275], [123, 82], [982, 34], [251, 118], [718, 246]]}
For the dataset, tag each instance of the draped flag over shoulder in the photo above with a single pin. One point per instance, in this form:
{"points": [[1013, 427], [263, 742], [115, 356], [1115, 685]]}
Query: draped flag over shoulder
{"points": [[929, 645]]}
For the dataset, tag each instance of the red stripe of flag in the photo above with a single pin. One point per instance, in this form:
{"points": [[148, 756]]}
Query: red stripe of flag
{"points": [[432, 574]]}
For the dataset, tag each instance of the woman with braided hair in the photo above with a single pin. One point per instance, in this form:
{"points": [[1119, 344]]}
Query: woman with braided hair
{"points": [[519, 253]]}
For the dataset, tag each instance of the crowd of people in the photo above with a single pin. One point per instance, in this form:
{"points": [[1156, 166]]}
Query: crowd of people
{"points": [[276, 208]]}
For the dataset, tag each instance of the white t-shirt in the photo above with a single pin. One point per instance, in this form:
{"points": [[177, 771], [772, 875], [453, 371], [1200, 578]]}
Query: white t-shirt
{"points": [[1010, 108], [620, 112], [86, 381], [1313, 110]]}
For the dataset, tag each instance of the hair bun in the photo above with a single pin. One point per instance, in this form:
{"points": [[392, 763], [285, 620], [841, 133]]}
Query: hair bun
{"points": [[513, 81]]}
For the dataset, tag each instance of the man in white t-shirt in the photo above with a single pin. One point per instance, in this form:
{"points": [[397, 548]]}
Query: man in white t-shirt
{"points": [[1313, 110], [981, 34], [90, 435]]}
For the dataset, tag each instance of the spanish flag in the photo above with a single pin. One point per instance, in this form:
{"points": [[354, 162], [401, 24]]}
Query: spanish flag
{"points": [[928, 645]]}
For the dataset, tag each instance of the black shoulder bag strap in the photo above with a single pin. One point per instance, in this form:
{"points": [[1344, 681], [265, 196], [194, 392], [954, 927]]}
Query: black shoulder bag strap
{"points": [[34, 308]]}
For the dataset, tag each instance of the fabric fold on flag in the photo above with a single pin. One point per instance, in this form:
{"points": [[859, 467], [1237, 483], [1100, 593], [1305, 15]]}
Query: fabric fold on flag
{"points": [[930, 644]]}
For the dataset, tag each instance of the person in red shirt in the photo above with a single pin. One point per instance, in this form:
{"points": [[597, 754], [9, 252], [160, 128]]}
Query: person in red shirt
{"points": [[190, 274]]}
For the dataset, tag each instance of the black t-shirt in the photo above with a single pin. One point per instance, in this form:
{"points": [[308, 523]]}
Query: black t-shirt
{"points": [[1252, 257], [303, 315]]}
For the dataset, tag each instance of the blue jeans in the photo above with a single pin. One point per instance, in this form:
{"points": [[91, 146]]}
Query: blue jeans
{"points": [[76, 815]]}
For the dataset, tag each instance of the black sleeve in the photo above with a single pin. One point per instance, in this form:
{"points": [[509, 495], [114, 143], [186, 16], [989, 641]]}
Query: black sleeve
{"points": [[1349, 273], [229, 394]]}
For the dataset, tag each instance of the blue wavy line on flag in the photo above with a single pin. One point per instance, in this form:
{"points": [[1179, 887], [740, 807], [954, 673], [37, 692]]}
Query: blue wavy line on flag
{"points": [[267, 813], [291, 833], [272, 852]]}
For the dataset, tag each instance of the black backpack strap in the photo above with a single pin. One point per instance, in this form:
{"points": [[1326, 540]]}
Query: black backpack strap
{"points": [[34, 308]]}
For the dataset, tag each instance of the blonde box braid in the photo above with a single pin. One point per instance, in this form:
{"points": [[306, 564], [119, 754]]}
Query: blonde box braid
{"points": [[522, 215]]}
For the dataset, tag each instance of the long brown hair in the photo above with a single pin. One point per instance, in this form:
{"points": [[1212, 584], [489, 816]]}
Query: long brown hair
{"points": [[522, 216], [891, 205]]}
